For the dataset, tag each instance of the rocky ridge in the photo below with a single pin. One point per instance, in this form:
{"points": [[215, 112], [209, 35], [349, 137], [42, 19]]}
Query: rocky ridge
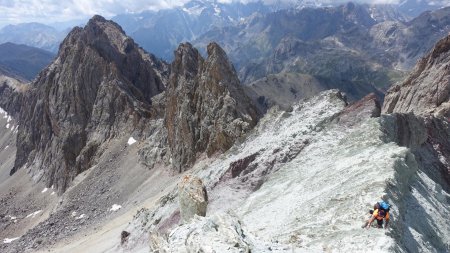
{"points": [[285, 197]]}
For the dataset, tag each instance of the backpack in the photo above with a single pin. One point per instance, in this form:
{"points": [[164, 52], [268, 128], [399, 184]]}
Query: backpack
{"points": [[384, 206]]}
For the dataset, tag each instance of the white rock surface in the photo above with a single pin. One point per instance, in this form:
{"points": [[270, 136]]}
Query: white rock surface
{"points": [[115, 207], [322, 180]]}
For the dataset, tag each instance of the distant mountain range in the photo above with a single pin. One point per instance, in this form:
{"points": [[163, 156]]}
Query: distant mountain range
{"points": [[340, 47], [33, 34], [359, 48], [23, 62], [160, 32]]}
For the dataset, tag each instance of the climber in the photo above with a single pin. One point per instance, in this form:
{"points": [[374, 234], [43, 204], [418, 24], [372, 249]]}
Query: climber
{"points": [[380, 212]]}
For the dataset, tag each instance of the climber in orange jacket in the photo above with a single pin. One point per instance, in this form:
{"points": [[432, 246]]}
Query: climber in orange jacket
{"points": [[378, 214]]}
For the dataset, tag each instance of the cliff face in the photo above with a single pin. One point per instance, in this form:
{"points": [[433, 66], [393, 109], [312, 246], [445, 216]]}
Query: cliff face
{"points": [[427, 90], [100, 85], [207, 109]]}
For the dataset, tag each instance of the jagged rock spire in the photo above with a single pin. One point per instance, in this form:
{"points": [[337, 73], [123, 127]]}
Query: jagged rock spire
{"points": [[207, 109]]}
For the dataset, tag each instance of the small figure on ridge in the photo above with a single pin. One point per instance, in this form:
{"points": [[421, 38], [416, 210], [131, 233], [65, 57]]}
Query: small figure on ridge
{"points": [[380, 212]]}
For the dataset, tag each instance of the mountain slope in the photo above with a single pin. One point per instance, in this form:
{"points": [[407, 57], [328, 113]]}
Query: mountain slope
{"points": [[23, 61]]}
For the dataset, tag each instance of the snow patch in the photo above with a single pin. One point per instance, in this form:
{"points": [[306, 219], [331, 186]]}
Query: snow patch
{"points": [[9, 240], [217, 11], [194, 11], [7, 126], [115, 207], [7, 146], [32, 215], [131, 141], [45, 190], [53, 193], [13, 218], [81, 217]]}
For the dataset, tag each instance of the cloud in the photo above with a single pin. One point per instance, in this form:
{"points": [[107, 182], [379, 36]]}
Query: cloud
{"points": [[49, 11]]}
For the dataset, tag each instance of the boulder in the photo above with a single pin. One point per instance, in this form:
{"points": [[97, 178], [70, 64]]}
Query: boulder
{"points": [[193, 198]]}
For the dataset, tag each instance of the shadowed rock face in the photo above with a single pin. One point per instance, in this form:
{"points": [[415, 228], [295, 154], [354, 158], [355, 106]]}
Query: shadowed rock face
{"points": [[429, 140], [100, 85], [427, 90], [207, 109]]}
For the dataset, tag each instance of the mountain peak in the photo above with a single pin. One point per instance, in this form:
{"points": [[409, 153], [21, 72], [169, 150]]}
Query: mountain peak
{"points": [[104, 24], [442, 47], [214, 49], [100, 86], [207, 109], [98, 18]]}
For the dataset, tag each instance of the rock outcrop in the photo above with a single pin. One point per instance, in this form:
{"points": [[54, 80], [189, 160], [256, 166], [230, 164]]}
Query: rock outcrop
{"points": [[367, 107], [101, 85], [427, 90], [11, 90], [207, 109], [192, 197], [219, 233]]}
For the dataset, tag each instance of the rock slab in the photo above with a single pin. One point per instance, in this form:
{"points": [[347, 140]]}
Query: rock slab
{"points": [[193, 198]]}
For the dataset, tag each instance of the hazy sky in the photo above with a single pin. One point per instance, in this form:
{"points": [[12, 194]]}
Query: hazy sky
{"points": [[49, 11]]}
